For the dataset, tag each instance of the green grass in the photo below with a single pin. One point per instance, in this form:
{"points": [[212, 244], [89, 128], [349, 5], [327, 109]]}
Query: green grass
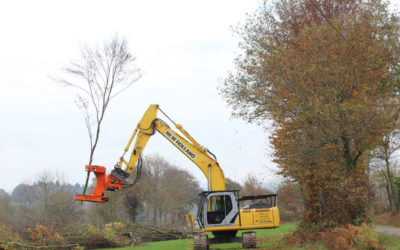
{"points": [[266, 238], [390, 242], [160, 245], [167, 245]]}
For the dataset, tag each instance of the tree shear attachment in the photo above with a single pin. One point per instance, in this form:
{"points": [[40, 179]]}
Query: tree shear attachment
{"points": [[109, 182]]}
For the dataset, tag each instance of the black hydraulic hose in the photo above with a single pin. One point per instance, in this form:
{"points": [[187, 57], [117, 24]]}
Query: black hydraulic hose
{"points": [[213, 155], [138, 173]]}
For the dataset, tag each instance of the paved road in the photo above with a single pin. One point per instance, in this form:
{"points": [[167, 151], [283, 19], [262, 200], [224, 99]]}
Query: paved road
{"points": [[395, 231]]}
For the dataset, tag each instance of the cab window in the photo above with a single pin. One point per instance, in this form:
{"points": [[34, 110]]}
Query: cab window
{"points": [[218, 207]]}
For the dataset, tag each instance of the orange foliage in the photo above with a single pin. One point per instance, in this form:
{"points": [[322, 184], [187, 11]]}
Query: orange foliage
{"points": [[340, 237], [8, 234], [351, 237], [42, 235], [253, 186]]}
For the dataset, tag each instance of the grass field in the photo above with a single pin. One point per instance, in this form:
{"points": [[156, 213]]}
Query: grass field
{"points": [[269, 238], [265, 239]]}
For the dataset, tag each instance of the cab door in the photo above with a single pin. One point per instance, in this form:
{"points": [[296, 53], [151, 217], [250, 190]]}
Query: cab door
{"points": [[220, 209]]}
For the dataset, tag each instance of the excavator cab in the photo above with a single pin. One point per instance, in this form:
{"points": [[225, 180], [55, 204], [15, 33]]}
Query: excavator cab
{"points": [[218, 209], [225, 210], [224, 213]]}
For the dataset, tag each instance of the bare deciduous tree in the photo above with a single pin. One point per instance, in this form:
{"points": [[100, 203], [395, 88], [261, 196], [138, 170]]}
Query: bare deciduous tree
{"points": [[232, 185], [253, 186], [54, 200], [165, 191], [382, 157], [100, 74], [6, 207]]}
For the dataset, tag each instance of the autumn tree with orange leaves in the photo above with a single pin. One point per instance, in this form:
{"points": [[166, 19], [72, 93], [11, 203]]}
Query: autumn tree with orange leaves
{"points": [[326, 73]]}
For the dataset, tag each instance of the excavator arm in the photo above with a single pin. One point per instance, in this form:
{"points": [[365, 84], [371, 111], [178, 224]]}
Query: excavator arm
{"points": [[147, 127]]}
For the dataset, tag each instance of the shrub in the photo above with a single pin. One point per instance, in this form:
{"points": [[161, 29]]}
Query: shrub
{"points": [[7, 236], [115, 231], [351, 237], [340, 237], [92, 237], [367, 238], [41, 235], [87, 232]]}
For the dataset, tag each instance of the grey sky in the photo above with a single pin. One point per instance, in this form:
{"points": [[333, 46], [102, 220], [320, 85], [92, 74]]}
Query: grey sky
{"points": [[185, 48]]}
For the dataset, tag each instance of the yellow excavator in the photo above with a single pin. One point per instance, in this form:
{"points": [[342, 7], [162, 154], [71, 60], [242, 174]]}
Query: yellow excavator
{"points": [[220, 211]]}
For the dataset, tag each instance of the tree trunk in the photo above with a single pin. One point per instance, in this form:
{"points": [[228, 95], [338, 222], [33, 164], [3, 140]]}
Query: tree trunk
{"points": [[392, 196], [155, 215], [160, 215], [321, 201], [389, 195]]}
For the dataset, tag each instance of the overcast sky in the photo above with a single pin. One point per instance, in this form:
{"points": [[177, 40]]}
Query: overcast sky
{"points": [[185, 49]]}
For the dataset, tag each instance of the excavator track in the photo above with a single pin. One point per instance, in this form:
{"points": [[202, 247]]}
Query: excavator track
{"points": [[249, 240], [200, 242]]}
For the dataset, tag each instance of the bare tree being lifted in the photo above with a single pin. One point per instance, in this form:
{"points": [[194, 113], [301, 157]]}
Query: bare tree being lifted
{"points": [[100, 74]]}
